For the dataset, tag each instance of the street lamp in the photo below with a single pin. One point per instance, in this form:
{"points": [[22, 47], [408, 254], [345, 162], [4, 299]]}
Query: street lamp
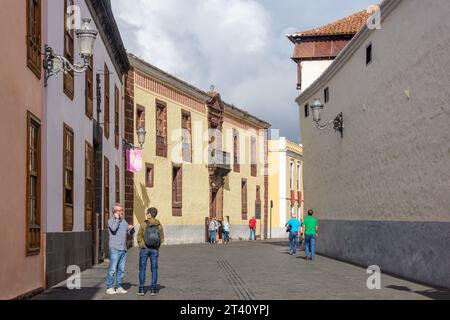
{"points": [[53, 64], [141, 133], [337, 123]]}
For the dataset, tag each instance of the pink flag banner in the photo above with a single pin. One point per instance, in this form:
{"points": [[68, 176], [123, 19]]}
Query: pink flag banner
{"points": [[134, 160]]}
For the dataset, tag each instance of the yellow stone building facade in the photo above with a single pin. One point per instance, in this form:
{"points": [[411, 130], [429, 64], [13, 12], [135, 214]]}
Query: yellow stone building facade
{"points": [[285, 184], [197, 157]]}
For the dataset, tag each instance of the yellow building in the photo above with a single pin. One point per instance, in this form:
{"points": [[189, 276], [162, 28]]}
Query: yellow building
{"points": [[285, 184], [197, 157]]}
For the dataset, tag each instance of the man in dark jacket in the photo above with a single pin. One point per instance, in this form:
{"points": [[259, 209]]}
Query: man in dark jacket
{"points": [[146, 252]]}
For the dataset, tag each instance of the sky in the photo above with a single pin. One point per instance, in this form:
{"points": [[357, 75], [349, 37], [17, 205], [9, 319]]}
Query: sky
{"points": [[239, 46]]}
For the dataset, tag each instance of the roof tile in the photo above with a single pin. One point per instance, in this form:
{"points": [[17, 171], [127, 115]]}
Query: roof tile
{"points": [[347, 26]]}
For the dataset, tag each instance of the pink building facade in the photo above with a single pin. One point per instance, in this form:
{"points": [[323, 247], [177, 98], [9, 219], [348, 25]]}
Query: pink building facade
{"points": [[22, 241]]}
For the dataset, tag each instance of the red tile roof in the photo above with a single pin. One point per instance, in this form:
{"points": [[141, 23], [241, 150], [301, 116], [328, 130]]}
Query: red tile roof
{"points": [[346, 26]]}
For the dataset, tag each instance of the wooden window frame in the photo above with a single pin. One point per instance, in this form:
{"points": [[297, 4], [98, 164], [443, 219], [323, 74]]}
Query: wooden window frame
{"points": [[69, 54], [117, 184], [149, 178], [244, 199], [236, 151], [106, 116], [116, 117], [89, 187], [68, 131], [161, 140], [177, 191], [89, 89], [106, 192], [186, 146], [140, 117], [253, 156], [34, 36], [33, 228], [291, 175]]}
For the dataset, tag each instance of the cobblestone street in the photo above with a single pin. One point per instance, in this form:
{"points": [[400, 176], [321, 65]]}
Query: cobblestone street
{"points": [[245, 271]]}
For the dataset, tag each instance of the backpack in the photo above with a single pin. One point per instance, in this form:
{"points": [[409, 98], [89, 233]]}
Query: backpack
{"points": [[152, 236], [288, 228]]}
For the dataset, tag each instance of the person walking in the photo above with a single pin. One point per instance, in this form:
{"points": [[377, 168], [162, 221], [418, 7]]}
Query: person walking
{"points": [[220, 231], [226, 231], [212, 230], [150, 238], [293, 226], [118, 229], [311, 233], [252, 226]]}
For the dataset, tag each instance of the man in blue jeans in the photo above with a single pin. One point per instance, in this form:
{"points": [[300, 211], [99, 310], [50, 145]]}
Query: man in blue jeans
{"points": [[294, 226], [212, 230], [149, 250], [119, 229], [311, 234]]}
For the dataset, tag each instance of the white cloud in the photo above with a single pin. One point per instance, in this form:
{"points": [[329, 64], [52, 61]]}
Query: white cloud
{"points": [[237, 45]]}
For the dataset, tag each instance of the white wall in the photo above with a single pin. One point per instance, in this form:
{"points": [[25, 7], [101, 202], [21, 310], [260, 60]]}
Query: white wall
{"points": [[393, 163], [60, 110], [311, 70]]}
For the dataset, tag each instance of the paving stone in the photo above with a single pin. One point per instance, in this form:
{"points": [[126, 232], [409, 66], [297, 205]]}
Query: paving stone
{"points": [[245, 271]]}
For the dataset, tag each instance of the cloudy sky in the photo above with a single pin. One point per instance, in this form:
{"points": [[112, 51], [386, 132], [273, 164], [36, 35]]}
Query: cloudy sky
{"points": [[239, 46]]}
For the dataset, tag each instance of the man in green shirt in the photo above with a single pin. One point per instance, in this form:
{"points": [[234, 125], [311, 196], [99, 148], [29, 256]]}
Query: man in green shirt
{"points": [[311, 232]]}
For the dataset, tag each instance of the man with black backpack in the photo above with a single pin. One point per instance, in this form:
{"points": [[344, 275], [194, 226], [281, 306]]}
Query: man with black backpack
{"points": [[150, 238]]}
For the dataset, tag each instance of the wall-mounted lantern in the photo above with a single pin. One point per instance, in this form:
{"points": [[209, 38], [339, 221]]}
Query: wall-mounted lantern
{"points": [[53, 64], [337, 123], [141, 134]]}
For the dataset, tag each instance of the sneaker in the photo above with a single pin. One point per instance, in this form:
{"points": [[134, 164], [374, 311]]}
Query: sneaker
{"points": [[141, 293], [153, 293], [121, 290], [111, 291]]}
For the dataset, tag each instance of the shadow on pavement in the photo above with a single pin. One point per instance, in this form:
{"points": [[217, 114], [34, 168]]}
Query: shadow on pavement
{"points": [[435, 294]]}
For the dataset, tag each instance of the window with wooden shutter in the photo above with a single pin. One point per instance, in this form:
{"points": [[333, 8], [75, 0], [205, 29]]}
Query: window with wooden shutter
{"points": [[140, 117], [116, 117], [254, 165], [161, 129], [33, 218], [69, 36], [68, 187], [88, 187], [291, 177], [258, 203], [117, 180], [177, 191], [34, 36], [106, 108], [299, 170], [149, 175], [106, 200], [187, 136], [236, 151], [244, 199], [89, 89]]}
